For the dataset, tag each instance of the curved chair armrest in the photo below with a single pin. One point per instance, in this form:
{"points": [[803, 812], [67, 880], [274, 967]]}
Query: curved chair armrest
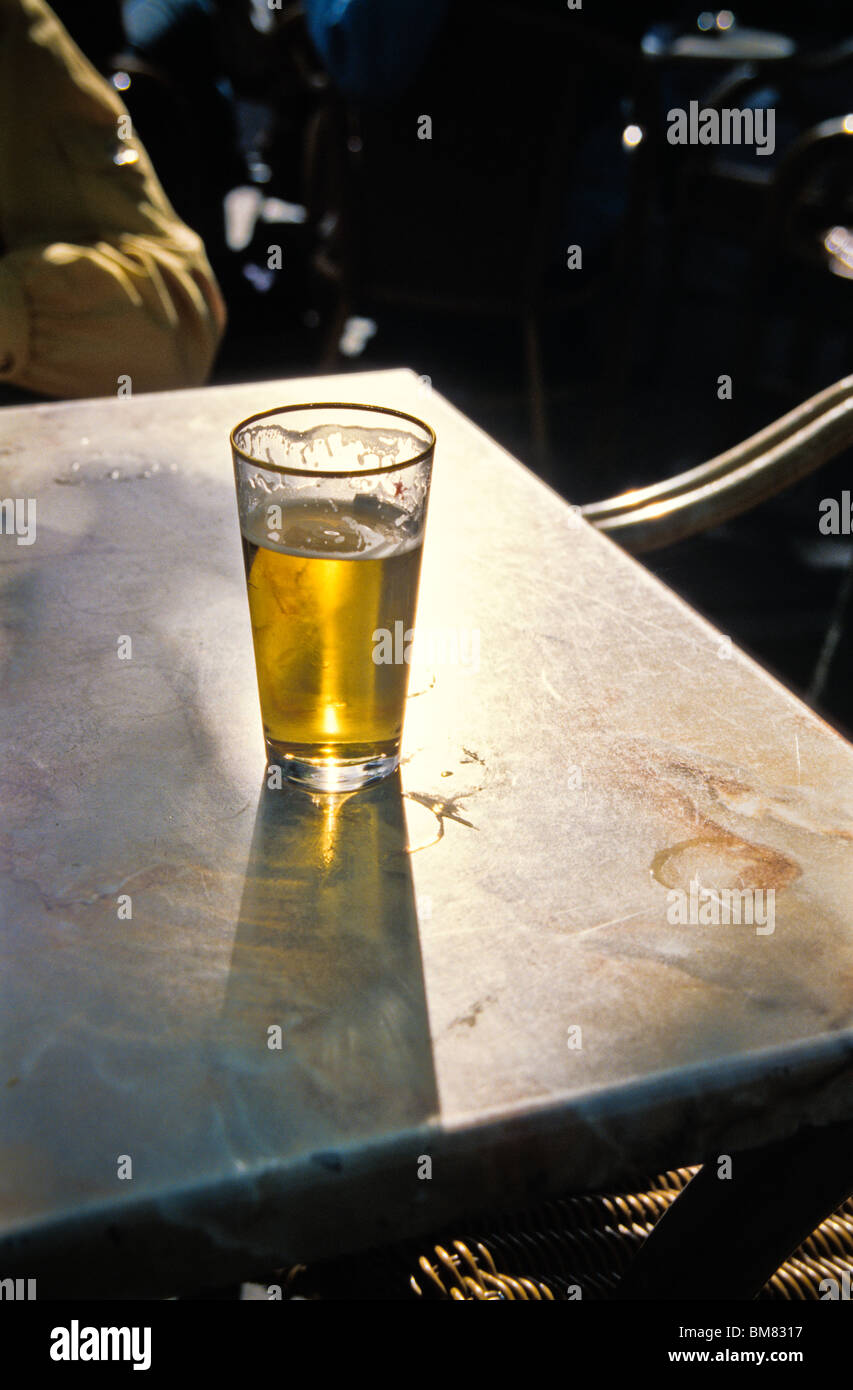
{"points": [[795, 445]]}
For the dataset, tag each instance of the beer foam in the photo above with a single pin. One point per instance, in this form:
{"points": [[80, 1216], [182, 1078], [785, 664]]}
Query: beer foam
{"points": [[329, 530], [328, 447]]}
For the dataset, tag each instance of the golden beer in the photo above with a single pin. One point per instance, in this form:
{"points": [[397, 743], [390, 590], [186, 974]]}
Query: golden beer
{"points": [[324, 577]]}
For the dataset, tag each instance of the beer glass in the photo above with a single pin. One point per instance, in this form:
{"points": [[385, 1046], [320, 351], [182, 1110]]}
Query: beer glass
{"points": [[332, 502]]}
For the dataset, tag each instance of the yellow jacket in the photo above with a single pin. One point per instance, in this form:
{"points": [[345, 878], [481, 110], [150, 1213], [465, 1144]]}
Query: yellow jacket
{"points": [[99, 278]]}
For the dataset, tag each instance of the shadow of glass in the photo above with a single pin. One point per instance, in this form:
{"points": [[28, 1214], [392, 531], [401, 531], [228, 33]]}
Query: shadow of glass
{"points": [[325, 1007]]}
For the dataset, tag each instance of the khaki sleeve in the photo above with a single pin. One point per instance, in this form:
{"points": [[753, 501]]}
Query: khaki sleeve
{"points": [[99, 277]]}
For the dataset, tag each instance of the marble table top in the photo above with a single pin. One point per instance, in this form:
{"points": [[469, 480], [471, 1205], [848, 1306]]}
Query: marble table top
{"points": [[478, 973]]}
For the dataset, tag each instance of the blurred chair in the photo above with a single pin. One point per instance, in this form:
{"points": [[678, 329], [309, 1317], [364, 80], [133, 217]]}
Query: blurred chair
{"points": [[471, 222], [778, 1231], [778, 210], [794, 446], [651, 517]]}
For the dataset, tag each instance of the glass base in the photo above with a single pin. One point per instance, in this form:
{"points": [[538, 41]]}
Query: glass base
{"points": [[328, 775]]}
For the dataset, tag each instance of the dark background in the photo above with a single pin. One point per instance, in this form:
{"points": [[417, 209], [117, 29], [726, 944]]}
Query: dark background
{"points": [[449, 255]]}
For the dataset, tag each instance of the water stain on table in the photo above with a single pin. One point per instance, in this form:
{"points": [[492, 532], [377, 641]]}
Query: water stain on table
{"points": [[722, 860]]}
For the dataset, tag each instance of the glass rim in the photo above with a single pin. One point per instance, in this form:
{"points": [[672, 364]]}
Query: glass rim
{"points": [[334, 472]]}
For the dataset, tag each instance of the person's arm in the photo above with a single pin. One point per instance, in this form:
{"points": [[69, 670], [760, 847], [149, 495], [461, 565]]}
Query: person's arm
{"points": [[99, 278]]}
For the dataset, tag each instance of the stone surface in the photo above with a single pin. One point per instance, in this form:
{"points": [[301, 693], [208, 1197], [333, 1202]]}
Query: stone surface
{"points": [[578, 744]]}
